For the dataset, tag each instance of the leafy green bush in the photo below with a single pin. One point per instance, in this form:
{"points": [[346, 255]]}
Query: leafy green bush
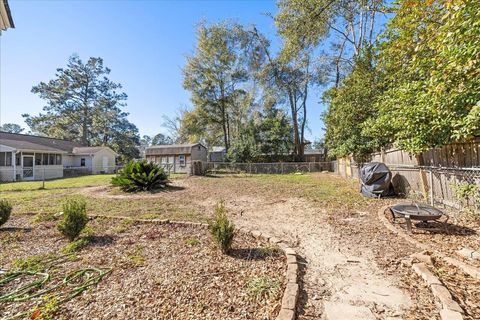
{"points": [[5, 210], [74, 218], [469, 196], [221, 228], [76, 245], [141, 176]]}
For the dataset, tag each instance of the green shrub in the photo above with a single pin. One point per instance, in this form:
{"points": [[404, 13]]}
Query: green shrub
{"points": [[74, 218], [76, 245], [5, 211], [141, 176], [221, 228]]}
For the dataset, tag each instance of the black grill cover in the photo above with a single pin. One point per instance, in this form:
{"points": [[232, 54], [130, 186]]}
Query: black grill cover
{"points": [[375, 178]]}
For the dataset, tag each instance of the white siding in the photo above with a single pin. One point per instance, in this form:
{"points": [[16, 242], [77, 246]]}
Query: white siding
{"points": [[98, 161]]}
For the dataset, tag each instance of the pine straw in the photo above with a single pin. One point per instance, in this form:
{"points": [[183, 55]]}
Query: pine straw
{"points": [[156, 273]]}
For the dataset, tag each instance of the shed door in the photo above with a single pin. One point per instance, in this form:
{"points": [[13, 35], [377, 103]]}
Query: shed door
{"points": [[105, 163]]}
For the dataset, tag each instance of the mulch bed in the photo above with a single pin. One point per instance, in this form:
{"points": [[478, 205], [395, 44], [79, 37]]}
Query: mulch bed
{"points": [[158, 271]]}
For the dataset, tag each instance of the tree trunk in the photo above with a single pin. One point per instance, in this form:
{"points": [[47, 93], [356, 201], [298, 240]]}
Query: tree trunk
{"points": [[85, 116], [301, 152], [296, 135]]}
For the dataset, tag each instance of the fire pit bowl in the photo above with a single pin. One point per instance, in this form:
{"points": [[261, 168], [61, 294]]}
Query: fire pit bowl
{"points": [[415, 211]]}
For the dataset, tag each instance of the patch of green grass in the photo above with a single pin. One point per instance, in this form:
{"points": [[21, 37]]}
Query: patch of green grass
{"points": [[76, 245], [136, 256], [44, 217], [63, 183], [261, 287], [192, 242], [269, 251], [34, 263]]}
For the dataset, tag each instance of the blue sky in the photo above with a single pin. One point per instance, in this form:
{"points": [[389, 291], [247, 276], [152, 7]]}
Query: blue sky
{"points": [[144, 43]]}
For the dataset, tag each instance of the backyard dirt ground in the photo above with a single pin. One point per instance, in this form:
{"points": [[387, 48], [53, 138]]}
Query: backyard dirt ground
{"points": [[348, 257], [157, 272]]}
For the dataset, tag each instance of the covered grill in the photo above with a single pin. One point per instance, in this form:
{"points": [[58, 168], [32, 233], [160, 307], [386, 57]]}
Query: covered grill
{"points": [[376, 179]]}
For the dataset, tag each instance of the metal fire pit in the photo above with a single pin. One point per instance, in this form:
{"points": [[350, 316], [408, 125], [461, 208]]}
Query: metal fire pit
{"points": [[414, 211]]}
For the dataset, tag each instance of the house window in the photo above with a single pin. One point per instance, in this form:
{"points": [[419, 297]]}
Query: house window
{"points": [[38, 159], [82, 162], [18, 159], [181, 159], [8, 160], [2, 159], [51, 159], [58, 159], [45, 159]]}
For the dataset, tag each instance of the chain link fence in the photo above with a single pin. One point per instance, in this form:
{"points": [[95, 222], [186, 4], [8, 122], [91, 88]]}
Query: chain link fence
{"points": [[267, 168]]}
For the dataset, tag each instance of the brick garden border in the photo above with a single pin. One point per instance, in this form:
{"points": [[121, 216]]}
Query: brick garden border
{"points": [[292, 288]]}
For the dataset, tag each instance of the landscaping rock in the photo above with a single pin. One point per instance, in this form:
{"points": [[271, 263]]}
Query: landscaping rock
{"points": [[291, 259], [450, 315], [445, 298], [292, 271], [290, 296], [286, 314], [422, 270]]}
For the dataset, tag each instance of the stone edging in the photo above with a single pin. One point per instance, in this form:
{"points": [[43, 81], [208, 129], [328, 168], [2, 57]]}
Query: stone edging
{"points": [[472, 271], [292, 289], [449, 308]]}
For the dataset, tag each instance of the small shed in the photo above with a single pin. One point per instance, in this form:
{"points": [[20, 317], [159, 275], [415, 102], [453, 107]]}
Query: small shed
{"points": [[177, 158], [217, 154]]}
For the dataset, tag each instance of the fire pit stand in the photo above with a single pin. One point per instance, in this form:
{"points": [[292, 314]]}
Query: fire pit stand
{"points": [[414, 211]]}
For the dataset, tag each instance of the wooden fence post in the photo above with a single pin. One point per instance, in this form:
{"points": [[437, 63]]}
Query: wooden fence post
{"points": [[423, 177]]}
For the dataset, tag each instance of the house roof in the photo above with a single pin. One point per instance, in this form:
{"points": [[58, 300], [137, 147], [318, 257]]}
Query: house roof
{"points": [[89, 150], [28, 146], [171, 149], [27, 141], [4, 148], [6, 20]]}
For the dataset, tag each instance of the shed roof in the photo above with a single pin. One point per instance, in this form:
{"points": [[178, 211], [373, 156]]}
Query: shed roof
{"points": [[171, 149]]}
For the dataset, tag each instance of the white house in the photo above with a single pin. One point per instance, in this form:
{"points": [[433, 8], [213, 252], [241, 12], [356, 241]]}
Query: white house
{"points": [[28, 157]]}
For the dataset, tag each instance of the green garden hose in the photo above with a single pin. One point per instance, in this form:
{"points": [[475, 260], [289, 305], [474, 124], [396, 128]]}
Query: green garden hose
{"points": [[37, 288]]}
